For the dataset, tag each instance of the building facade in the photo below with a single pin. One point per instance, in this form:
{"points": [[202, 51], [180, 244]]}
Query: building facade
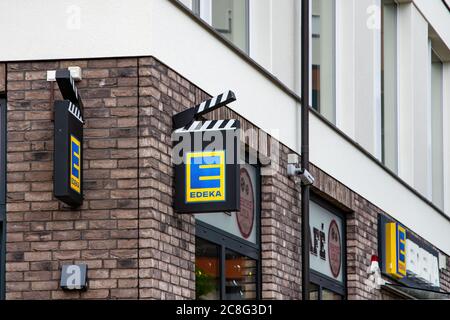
{"points": [[379, 149]]}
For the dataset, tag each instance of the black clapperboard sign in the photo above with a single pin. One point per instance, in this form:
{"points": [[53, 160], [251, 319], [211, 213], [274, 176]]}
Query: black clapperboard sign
{"points": [[68, 138], [205, 156]]}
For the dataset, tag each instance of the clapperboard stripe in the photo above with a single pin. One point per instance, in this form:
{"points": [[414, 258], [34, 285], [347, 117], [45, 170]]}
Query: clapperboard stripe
{"points": [[210, 125], [73, 109], [214, 103], [185, 118], [68, 87], [74, 87]]}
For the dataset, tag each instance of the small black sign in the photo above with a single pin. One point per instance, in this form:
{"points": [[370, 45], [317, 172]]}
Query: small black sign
{"points": [[68, 138]]}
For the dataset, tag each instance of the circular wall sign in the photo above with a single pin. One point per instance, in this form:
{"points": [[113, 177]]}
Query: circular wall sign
{"points": [[334, 249], [245, 217]]}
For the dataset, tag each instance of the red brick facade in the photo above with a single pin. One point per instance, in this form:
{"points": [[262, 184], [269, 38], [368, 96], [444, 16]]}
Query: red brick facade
{"points": [[126, 230]]}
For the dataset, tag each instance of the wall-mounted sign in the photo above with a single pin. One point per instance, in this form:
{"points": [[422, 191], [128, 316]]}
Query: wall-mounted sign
{"points": [[74, 277], [68, 136], [407, 258], [205, 156], [334, 248], [326, 251], [242, 223], [395, 250], [205, 176], [422, 262]]}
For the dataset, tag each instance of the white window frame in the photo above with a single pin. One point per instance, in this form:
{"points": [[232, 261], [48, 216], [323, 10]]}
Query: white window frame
{"points": [[203, 9]]}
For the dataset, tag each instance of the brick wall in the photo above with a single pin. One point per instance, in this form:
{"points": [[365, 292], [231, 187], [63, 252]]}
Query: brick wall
{"points": [[2, 77], [126, 231], [42, 233], [167, 240]]}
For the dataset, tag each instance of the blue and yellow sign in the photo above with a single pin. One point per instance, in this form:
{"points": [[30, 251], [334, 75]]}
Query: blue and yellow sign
{"points": [[75, 163], [395, 250], [206, 158], [205, 176], [68, 142]]}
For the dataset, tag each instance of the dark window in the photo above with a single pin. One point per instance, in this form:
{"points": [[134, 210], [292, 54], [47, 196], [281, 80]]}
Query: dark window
{"points": [[240, 276], [207, 270]]}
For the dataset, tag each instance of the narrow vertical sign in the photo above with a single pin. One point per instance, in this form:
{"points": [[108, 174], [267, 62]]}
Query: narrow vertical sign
{"points": [[75, 164], [68, 137]]}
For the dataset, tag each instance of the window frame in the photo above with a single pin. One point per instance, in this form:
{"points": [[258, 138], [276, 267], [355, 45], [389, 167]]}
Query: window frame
{"points": [[196, 9], [437, 146], [333, 117], [394, 166], [321, 280], [232, 242]]}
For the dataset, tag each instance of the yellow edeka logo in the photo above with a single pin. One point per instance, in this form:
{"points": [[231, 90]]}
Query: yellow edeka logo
{"points": [[75, 170], [205, 176], [395, 250]]}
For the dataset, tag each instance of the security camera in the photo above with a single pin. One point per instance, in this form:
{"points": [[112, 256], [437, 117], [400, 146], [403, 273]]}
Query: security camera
{"points": [[304, 175]]}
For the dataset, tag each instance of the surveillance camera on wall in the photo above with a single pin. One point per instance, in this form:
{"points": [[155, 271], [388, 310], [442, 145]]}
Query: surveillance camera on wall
{"points": [[293, 170], [305, 176]]}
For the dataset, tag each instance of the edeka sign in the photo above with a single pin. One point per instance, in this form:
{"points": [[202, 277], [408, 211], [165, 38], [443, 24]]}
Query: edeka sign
{"points": [[407, 258], [68, 160], [68, 142], [205, 176], [205, 157], [395, 250], [75, 164]]}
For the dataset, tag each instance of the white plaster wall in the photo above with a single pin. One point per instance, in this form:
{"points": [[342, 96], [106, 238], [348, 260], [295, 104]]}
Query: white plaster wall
{"points": [[157, 27], [49, 29]]}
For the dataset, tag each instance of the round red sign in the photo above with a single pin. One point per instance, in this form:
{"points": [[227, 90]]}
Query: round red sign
{"points": [[245, 217], [334, 249]]}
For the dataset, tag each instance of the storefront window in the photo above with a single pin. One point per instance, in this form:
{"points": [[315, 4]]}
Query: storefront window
{"points": [[327, 251], [227, 246], [207, 270], [330, 295], [314, 291], [240, 277], [228, 17]]}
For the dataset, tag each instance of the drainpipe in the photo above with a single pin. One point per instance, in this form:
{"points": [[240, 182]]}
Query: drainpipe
{"points": [[305, 23]]}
